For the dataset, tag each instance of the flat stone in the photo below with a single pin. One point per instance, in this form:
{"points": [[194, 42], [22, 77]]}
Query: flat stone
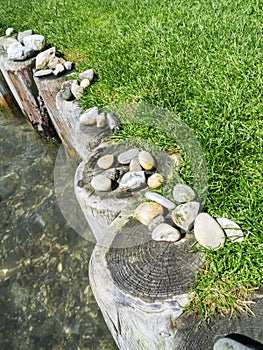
{"points": [[165, 232], [53, 62], [146, 160], [43, 58], [132, 180], [101, 183], [183, 193], [15, 51], [9, 31], [232, 230], [68, 65], [35, 42], [77, 90], [155, 180], [146, 212], [156, 197], [87, 74], [184, 215], [126, 157], [89, 117], [155, 222], [59, 69], [207, 232], [22, 35], [135, 165], [7, 42], [101, 120], [85, 83], [230, 344], [106, 161], [43, 72]]}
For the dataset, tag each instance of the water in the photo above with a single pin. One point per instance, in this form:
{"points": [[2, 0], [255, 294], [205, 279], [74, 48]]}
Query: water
{"points": [[45, 298]]}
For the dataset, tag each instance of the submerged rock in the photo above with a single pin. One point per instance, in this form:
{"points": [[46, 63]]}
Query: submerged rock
{"points": [[165, 232], [146, 212]]}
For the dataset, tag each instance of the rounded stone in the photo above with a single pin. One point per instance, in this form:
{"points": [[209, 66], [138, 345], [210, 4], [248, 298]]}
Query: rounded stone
{"points": [[127, 156], [155, 222], [155, 180], [8, 42], [132, 180], [35, 42], [101, 120], [146, 212], [68, 65], [146, 160], [185, 214], [16, 51], [89, 117], [232, 230], [183, 193], [135, 165], [9, 31], [85, 83], [165, 232], [101, 183], [59, 69], [87, 74], [207, 232], [77, 91], [106, 161], [156, 197], [230, 344], [44, 58], [22, 35]]}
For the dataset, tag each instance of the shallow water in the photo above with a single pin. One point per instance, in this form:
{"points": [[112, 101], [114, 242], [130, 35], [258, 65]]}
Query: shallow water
{"points": [[45, 298]]}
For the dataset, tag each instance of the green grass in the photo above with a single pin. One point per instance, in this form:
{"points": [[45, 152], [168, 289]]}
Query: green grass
{"points": [[203, 60]]}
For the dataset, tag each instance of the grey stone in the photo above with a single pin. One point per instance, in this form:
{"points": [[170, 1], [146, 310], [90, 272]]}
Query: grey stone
{"points": [[101, 120], [155, 180], [16, 52], [183, 193], [66, 94], [85, 83], [9, 31], [126, 157], [89, 117], [112, 174], [43, 58], [165, 232], [146, 212], [146, 160], [35, 42], [106, 161], [87, 74], [6, 42], [207, 232], [53, 62], [68, 65], [232, 230], [156, 197], [59, 69], [230, 344], [155, 222], [67, 84], [8, 185], [112, 121], [135, 165], [77, 90], [22, 35], [132, 180], [43, 72], [184, 215], [101, 183]]}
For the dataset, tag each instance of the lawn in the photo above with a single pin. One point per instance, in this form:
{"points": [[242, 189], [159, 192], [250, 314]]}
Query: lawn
{"points": [[202, 60]]}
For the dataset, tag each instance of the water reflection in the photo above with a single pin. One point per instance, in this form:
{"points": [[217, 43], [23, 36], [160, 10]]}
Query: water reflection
{"points": [[45, 298]]}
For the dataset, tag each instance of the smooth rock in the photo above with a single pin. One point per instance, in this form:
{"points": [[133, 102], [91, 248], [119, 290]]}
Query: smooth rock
{"points": [[101, 120], [135, 165], [43, 58], [35, 42], [112, 174], [165, 232], [43, 72], [85, 83], [146, 212], [22, 35], [156, 197], [101, 183], [183, 193], [132, 180], [146, 160], [68, 65], [230, 344], [106, 161], [232, 230], [207, 232], [89, 117], [112, 121], [59, 69], [87, 74], [7, 42], [155, 222], [77, 90], [16, 52], [184, 215], [127, 156], [9, 31], [155, 180]]}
